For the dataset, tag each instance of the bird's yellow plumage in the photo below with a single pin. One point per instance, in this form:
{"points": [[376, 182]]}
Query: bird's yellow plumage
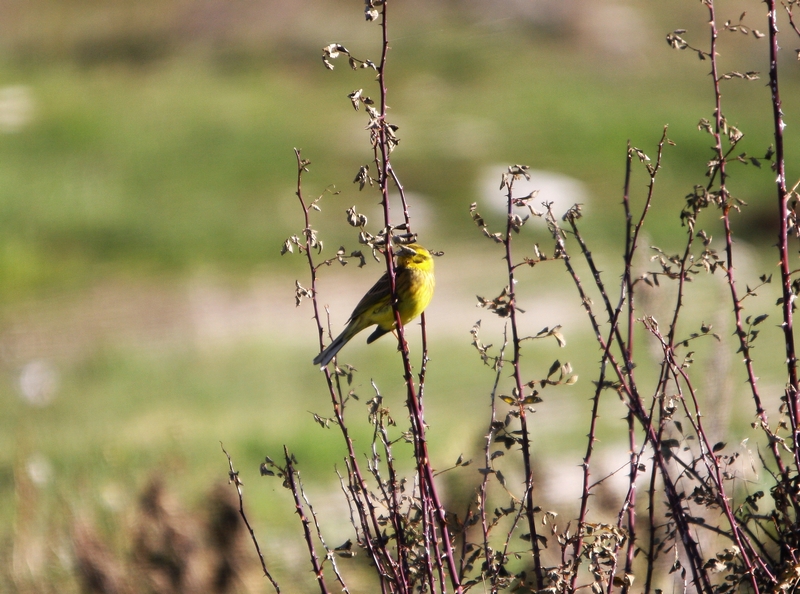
{"points": [[414, 283]]}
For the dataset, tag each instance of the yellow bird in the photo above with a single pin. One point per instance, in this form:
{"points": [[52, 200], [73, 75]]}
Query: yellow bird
{"points": [[414, 284]]}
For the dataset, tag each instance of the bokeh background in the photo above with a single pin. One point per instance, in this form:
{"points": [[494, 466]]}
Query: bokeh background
{"points": [[147, 185]]}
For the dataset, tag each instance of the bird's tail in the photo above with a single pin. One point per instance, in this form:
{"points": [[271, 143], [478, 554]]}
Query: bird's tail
{"points": [[330, 351]]}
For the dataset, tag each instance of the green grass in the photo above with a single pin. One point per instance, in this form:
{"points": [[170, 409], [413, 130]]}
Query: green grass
{"points": [[187, 161]]}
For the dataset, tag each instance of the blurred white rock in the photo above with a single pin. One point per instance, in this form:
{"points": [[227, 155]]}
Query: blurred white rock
{"points": [[605, 28], [16, 108], [563, 191], [39, 469], [113, 496], [38, 382]]}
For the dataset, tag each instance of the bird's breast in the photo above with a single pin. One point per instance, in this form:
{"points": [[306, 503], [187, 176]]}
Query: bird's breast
{"points": [[421, 285]]}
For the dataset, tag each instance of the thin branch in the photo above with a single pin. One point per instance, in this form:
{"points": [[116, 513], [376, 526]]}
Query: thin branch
{"points": [[517, 374], [293, 480], [787, 305], [233, 477]]}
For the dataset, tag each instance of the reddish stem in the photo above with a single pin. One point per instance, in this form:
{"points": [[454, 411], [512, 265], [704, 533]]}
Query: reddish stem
{"points": [[783, 234]]}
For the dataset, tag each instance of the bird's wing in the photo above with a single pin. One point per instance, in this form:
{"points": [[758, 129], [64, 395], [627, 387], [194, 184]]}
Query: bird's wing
{"points": [[375, 298]]}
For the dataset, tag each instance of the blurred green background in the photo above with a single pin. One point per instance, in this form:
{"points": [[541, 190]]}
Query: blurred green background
{"points": [[146, 187]]}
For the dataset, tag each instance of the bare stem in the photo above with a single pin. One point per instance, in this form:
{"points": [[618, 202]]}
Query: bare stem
{"points": [[517, 373], [491, 567], [428, 494], [234, 478], [368, 518], [298, 502], [634, 400], [783, 234]]}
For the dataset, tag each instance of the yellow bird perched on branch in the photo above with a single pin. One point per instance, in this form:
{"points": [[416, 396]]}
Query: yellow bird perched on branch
{"points": [[414, 284]]}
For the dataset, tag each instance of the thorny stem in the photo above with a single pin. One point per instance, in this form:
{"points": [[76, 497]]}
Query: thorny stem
{"points": [[428, 493], [668, 344], [626, 347], [631, 243], [401, 190], [632, 232], [710, 460], [365, 507], [791, 388], [577, 546], [392, 497], [234, 478], [424, 363], [352, 490], [627, 508], [790, 12], [298, 503], [526, 447], [630, 500], [483, 492], [329, 555], [758, 540], [614, 331], [651, 518], [752, 380], [634, 400], [783, 237], [512, 529], [682, 279]]}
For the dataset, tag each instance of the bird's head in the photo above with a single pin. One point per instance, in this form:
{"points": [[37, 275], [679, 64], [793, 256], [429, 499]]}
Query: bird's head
{"points": [[414, 255]]}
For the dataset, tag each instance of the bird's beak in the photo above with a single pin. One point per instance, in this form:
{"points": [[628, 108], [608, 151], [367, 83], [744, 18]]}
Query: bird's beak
{"points": [[404, 250]]}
